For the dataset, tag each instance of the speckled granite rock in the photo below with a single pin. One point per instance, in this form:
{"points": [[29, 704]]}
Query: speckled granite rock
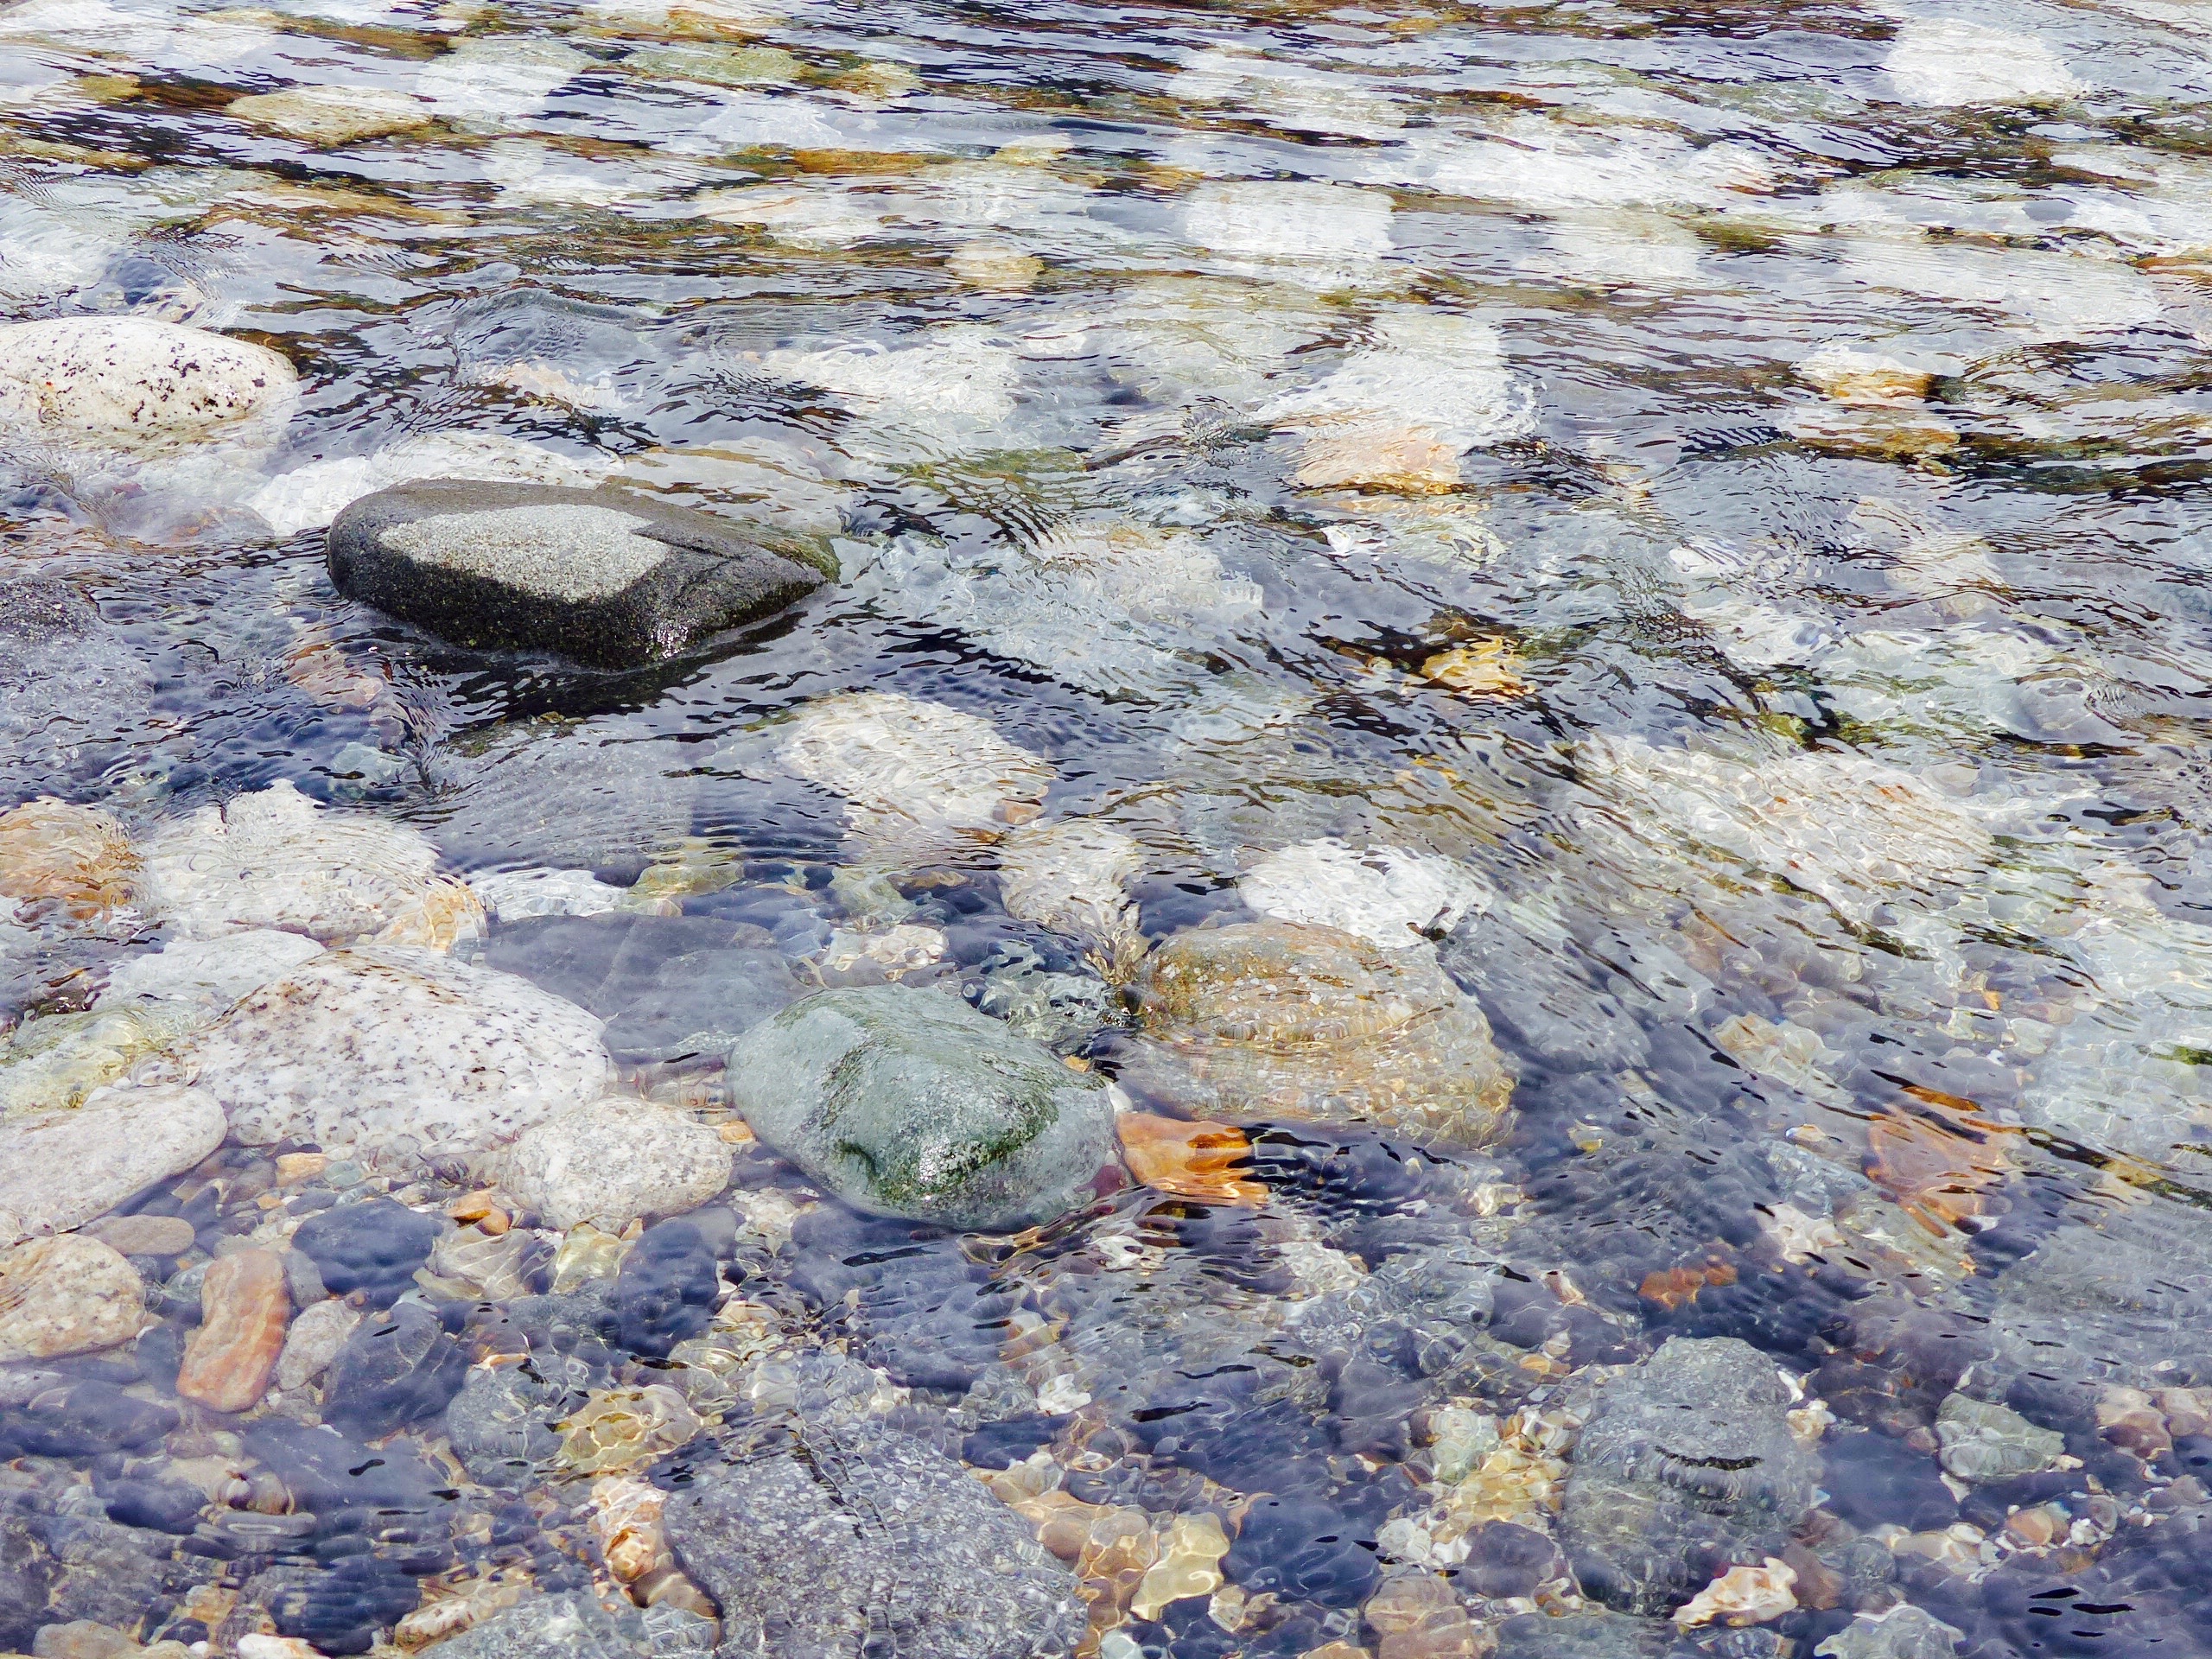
{"points": [[135, 383], [369, 1045], [612, 1161], [909, 1103], [609, 578], [845, 1541], [66, 1295]]}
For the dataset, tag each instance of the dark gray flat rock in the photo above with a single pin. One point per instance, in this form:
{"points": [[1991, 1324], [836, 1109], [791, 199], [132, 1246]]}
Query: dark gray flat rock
{"points": [[611, 579]]}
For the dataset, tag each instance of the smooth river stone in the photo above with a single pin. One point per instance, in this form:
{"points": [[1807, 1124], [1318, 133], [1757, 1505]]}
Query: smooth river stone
{"points": [[611, 579], [66, 1295], [77, 856], [145, 1235], [244, 1308], [59, 1170], [613, 1161], [132, 382], [369, 1045], [274, 859], [331, 114]]}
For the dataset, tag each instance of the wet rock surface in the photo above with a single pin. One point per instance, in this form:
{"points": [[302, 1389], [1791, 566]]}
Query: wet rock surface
{"points": [[883, 1540], [908, 1104], [611, 579]]}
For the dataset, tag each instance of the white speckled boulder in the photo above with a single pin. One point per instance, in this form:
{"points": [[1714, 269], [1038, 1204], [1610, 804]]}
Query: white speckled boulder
{"points": [[385, 1042], [610, 578], [135, 383]]}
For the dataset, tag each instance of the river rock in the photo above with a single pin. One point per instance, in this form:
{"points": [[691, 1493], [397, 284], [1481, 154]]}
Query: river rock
{"points": [[72, 693], [244, 1308], [368, 1251], [210, 974], [1071, 877], [397, 1368], [368, 1046], [155, 1235], [313, 1342], [275, 859], [612, 1160], [1982, 1441], [1389, 896], [609, 578], [66, 1295], [75, 857], [1275, 1019], [575, 1625], [1686, 1465], [847, 1542], [330, 114], [135, 384], [1905, 1632], [908, 1102], [59, 1170], [917, 776]]}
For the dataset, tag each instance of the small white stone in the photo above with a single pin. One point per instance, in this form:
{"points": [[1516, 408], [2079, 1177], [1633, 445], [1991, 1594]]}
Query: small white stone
{"points": [[63, 1170], [331, 114], [135, 383], [612, 1160], [1942, 63], [309, 495], [318, 1332], [66, 1295], [1068, 877], [913, 773], [372, 1044], [1391, 896], [513, 894]]}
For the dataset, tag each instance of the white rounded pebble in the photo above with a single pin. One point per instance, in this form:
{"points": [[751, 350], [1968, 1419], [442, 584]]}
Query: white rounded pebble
{"points": [[613, 1161], [133, 382], [317, 1334], [1389, 895]]}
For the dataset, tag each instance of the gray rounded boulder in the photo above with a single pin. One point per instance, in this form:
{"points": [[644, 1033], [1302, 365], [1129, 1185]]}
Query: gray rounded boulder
{"points": [[607, 577], [908, 1102]]}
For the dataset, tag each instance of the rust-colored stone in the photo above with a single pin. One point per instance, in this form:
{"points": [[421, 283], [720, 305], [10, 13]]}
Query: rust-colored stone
{"points": [[1192, 1160], [245, 1309], [74, 856]]}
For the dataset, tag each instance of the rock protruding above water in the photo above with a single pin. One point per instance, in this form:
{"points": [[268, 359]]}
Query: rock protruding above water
{"points": [[1277, 1019], [611, 1161], [908, 1102], [612, 579], [368, 1046], [59, 1170], [841, 1542], [135, 384], [1685, 1466]]}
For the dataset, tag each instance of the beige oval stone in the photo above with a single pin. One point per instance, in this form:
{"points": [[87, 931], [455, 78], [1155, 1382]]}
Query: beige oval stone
{"points": [[77, 856], [243, 1310], [67, 1295], [145, 1235], [331, 114], [134, 383]]}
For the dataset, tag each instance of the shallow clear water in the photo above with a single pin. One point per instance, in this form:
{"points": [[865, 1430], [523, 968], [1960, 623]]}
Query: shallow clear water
{"points": [[1681, 528]]}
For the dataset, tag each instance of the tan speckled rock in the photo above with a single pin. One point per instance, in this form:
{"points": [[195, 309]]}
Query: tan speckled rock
{"points": [[244, 1308], [77, 856], [67, 1295], [1275, 1019], [381, 1042], [331, 114], [132, 382]]}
